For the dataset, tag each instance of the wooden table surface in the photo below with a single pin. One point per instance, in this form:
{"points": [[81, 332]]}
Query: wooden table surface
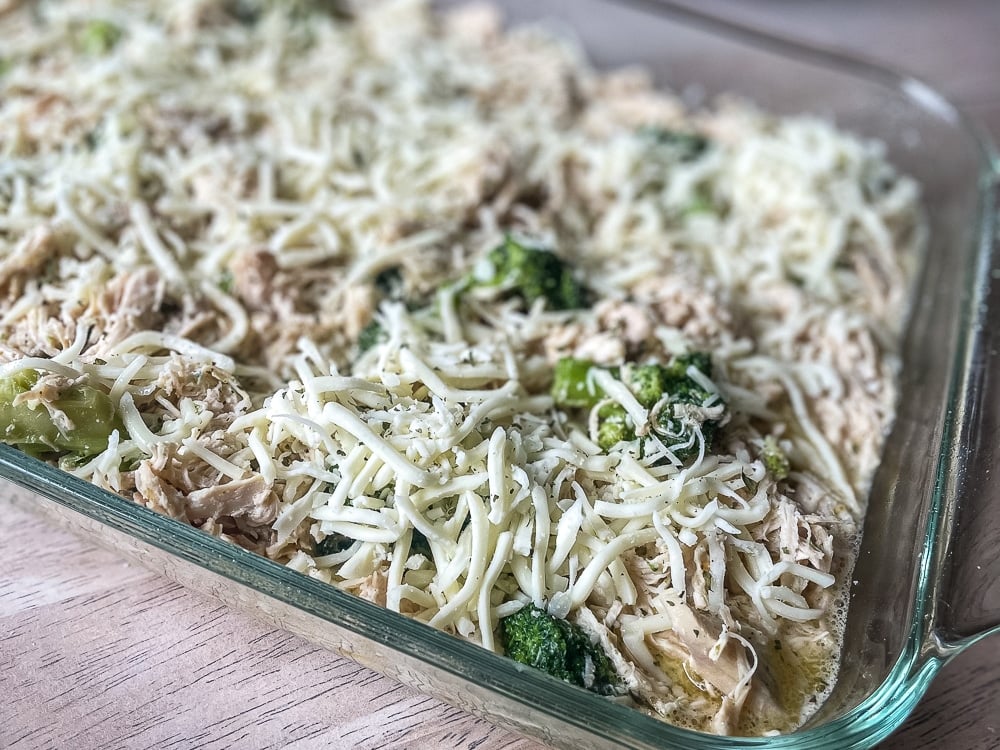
{"points": [[95, 653]]}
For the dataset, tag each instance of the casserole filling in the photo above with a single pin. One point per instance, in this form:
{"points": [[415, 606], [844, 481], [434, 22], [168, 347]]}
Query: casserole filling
{"points": [[438, 314]]}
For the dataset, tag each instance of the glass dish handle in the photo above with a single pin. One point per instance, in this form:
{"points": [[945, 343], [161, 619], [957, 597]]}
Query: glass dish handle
{"points": [[967, 606]]}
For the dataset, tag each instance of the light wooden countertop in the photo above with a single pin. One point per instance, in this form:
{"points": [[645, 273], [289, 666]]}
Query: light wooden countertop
{"points": [[95, 653]]}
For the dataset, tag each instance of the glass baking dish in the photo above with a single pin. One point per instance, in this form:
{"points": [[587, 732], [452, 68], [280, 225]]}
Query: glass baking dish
{"points": [[926, 583]]}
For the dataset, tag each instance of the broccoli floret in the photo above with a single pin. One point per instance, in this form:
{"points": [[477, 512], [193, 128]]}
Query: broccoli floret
{"points": [[678, 383], [33, 429], [647, 383], [245, 12], [572, 387], [682, 389], [99, 37], [775, 460], [687, 146], [530, 273], [388, 286], [331, 544], [613, 426], [534, 637]]}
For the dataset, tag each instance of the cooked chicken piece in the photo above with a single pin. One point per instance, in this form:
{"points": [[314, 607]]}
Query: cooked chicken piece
{"points": [[626, 99], [251, 498], [688, 307], [184, 487], [28, 257], [373, 588], [358, 308], [132, 302], [215, 390], [794, 536], [253, 278], [694, 640], [649, 688], [41, 332]]}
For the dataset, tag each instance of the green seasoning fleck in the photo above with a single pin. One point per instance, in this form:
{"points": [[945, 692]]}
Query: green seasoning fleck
{"points": [[226, 281], [99, 37], [534, 637], [775, 460]]}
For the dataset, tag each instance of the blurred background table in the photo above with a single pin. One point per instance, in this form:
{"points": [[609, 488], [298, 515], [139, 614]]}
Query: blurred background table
{"points": [[97, 654]]}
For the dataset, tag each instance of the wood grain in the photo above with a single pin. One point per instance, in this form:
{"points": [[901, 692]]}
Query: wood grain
{"points": [[97, 654]]}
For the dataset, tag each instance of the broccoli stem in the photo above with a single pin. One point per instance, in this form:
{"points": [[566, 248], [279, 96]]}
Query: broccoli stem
{"points": [[30, 426], [571, 386]]}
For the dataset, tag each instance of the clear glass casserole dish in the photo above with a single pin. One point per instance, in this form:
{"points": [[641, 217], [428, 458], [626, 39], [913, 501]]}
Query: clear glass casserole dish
{"points": [[924, 578]]}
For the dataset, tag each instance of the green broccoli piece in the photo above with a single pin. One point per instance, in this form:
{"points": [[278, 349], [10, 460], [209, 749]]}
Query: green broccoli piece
{"points": [[530, 273], [331, 544], [682, 389], [389, 283], [33, 430], [370, 335], [5, 66], [534, 637], [99, 37], [775, 460], [613, 426], [571, 386], [677, 380], [244, 11], [687, 146], [647, 383]]}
